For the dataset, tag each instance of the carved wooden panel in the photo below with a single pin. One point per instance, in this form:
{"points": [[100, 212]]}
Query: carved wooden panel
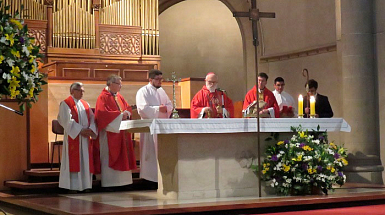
{"points": [[104, 73], [38, 30], [76, 72], [119, 44], [120, 40], [135, 74], [40, 38]]}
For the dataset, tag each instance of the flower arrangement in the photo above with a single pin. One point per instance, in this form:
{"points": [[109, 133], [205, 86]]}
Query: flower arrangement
{"points": [[20, 78], [306, 161]]}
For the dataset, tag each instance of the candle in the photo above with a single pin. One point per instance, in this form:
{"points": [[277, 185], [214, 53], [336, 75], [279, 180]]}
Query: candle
{"points": [[300, 105], [312, 106]]}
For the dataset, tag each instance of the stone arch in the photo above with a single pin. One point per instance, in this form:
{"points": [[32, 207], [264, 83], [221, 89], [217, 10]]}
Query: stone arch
{"points": [[245, 31]]}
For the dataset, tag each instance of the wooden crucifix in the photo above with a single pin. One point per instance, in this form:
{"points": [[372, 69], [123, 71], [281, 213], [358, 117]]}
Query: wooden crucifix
{"points": [[254, 15]]}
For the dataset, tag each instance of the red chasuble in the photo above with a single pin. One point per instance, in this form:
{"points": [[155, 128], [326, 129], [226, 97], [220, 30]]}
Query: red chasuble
{"points": [[268, 97], [106, 111], [73, 144], [206, 99]]}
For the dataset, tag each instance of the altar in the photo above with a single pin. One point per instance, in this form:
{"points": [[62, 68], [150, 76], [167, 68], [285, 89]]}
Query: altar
{"points": [[204, 158]]}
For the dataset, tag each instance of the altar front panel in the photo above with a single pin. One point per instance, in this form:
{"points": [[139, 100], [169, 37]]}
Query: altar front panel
{"points": [[206, 165]]}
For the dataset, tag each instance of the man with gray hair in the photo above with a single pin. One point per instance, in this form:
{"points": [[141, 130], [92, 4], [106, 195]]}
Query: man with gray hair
{"points": [[111, 109], [77, 119]]}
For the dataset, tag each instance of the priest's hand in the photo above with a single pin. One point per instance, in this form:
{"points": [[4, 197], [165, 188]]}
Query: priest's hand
{"points": [[162, 108], [264, 111], [307, 110], [126, 115], [86, 132]]}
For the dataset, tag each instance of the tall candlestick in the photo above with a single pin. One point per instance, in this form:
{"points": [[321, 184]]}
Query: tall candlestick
{"points": [[300, 106], [312, 106]]}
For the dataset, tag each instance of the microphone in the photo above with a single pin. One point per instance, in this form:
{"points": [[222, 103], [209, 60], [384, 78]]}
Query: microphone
{"points": [[219, 89]]}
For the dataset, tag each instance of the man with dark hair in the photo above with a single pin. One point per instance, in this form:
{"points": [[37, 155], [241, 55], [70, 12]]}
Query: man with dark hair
{"points": [[111, 109], [210, 101], [77, 119], [266, 101], [322, 105], [152, 103], [285, 101]]}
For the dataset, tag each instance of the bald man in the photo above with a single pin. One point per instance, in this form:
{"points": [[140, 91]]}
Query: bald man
{"points": [[210, 102]]}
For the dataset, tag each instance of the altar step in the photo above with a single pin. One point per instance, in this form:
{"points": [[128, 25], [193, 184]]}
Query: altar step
{"points": [[46, 179]]}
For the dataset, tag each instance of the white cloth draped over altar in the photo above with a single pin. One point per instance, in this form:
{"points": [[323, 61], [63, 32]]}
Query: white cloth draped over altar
{"points": [[202, 158]]}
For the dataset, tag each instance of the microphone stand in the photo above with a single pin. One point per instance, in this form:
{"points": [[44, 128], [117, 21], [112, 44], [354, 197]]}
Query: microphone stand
{"points": [[8, 108]]}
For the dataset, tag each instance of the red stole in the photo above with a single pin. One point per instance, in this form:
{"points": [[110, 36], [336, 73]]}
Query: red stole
{"points": [[106, 111], [74, 144]]}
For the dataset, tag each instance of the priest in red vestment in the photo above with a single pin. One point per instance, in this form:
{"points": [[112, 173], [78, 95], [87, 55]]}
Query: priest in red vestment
{"points": [[271, 108], [111, 109], [211, 102]]}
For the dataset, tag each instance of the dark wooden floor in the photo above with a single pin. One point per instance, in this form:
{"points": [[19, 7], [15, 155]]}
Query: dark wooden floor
{"points": [[132, 203]]}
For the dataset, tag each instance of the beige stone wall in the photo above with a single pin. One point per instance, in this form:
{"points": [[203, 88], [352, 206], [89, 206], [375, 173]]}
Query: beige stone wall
{"points": [[201, 36]]}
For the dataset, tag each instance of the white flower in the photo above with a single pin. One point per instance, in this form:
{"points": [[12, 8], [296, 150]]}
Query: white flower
{"points": [[25, 91], [10, 62], [316, 141], [3, 40], [6, 76], [281, 152], [25, 50], [288, 180]]}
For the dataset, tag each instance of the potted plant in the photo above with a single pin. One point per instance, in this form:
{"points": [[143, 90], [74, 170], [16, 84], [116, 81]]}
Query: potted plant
{"points": [[20, 78], [304, 163]]}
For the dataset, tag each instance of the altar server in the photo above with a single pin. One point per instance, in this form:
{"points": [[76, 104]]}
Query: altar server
{"points": [[152, 103]]}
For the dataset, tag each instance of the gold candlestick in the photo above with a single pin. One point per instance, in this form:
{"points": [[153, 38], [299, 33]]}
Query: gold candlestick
{"points": [[175, 114]]}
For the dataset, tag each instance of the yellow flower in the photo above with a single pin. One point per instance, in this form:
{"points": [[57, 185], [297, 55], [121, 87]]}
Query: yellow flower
{"points": [[1, 58], [307, 148], [280, 143], [10, 38], [286, 168], [333, 170], [15, 53], [263, 171], [31, 59], [298, 158], [33, 69], [15, 71], [302, 134], [344, 161], [333, 145], [14, 94], [17, 23], [311, 171], [31, 92]]}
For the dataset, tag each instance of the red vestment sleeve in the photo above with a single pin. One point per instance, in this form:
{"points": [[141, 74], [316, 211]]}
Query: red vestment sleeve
{"points": [[197, 103]]}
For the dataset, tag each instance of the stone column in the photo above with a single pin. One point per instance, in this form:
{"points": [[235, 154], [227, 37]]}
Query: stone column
{"points": [[360, 94]]}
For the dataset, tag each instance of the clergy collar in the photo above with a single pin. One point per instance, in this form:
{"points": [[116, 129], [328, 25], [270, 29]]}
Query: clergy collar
{"points": [[261, 91], [75, 100], [108, 89]]}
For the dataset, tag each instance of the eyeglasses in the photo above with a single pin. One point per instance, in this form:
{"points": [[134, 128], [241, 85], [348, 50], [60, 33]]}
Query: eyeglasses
{"points": [[212, 82], [120, 84]]}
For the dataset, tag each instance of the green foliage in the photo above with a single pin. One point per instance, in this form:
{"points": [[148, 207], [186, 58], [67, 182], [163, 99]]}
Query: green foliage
{"points": [[305, 161], [20, 78]]}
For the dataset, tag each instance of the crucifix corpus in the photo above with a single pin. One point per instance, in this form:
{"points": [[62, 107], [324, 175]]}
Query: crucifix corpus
{"points": [[254, 15], [175, 114]]}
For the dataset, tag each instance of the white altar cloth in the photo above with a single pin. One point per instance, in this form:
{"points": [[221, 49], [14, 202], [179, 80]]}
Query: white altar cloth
{"points": [[201, 158], [235, 125]]}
